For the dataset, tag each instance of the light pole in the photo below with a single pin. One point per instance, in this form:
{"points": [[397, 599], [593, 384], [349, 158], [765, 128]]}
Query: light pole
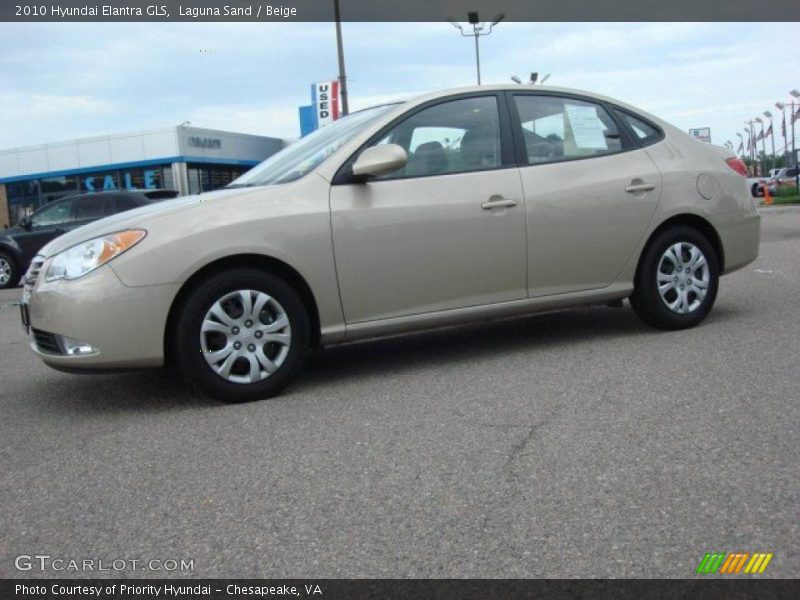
{"points": [[340, 52], [741, 143], [771, 133], [478, 29], [533, 80]]}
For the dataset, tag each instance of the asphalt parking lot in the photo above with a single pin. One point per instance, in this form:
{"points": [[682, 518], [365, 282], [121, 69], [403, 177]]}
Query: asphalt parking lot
{"points": [[563, 445]]}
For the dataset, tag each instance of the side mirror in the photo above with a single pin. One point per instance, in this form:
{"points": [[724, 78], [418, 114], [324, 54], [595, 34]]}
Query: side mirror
{"points": [[26, 223], [379, 160]]}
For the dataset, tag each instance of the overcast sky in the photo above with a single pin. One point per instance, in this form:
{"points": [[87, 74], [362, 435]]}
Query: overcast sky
{"points": [[60, 81]]}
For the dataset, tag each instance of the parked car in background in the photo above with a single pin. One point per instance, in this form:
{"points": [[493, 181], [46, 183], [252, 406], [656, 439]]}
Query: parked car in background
{"points": [[19, 244], [756, 185], [454, 207], [785, 177]]}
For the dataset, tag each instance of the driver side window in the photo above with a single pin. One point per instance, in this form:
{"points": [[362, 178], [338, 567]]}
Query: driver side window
{"points": [[60, 212], [451, 137]]}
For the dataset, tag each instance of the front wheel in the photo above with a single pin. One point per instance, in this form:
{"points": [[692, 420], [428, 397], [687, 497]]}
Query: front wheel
{"points": [[9, 273], [241, 335], [677, 280]]}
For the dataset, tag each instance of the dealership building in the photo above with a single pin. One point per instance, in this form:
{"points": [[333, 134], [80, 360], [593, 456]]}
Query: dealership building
{"points": [[188, 159]]}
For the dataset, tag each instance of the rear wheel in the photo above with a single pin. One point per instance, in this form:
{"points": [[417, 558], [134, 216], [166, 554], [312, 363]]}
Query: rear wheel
{"points": [[9, 272], [677, 280], [241, 335]]}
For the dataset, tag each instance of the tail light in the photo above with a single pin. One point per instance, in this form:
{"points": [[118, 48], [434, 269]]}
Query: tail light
{"points": [[737, 164]]}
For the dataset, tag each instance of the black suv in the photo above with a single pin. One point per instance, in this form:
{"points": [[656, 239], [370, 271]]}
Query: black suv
{"points": [[19, 244]]}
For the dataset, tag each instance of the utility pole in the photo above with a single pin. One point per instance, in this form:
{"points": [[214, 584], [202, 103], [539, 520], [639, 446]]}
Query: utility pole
{"points": [[340, 50]]}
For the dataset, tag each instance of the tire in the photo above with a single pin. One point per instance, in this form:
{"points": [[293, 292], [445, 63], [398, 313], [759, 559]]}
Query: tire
{"points": [[213, 321], [9, 271], [673, 310]]}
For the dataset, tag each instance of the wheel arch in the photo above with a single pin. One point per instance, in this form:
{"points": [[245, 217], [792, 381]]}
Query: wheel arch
{"points": [[695, 222], [257, 261]]}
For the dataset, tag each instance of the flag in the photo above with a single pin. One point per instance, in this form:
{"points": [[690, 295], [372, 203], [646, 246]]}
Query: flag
{"points": [[783, 125], [796, 115], [741, 147], [760, 136], [769, 130]]}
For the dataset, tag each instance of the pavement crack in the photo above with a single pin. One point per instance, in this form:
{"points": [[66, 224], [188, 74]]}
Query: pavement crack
{"points": [[519, 449]]}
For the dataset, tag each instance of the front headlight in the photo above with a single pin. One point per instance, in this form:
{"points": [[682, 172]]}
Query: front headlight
{"points": [[87, 256]]}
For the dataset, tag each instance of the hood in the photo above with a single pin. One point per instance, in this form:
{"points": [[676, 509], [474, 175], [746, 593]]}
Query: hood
{"points": [[138, 218], [5, 233]]}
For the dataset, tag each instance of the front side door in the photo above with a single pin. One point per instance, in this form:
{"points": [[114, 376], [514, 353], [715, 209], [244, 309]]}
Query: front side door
{"points": [[447, 230], [590, 192]]}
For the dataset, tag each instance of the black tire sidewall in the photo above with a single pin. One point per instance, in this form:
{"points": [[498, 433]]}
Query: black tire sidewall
{"points": [[188, 356], [647, 301], [13, 280]]}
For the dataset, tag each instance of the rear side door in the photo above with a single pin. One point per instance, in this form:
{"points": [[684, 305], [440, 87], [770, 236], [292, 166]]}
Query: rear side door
{"points": [[90, 208], [590, 191]]}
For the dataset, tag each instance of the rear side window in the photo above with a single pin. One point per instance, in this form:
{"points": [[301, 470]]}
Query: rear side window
{"points": [[642, 130], [123, 203], [556, 129], [90, 208]]}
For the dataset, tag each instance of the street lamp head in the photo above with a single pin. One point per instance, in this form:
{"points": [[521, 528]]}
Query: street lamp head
{"points": [[758, 120], [767, 114], [498, 18], [472, 17], [739, 134], [516, 79], [545, 78], [795, 93], [779, 105]]}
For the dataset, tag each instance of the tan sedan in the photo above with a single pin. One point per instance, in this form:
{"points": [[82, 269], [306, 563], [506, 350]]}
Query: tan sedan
{"points": [[457, 206]]}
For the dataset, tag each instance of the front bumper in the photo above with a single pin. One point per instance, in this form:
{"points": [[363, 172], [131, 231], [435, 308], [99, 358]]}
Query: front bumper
{"points": [[125, 325]]}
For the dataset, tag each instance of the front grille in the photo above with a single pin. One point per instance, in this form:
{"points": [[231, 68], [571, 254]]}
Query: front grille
{"points": [[46, 342], [33, 272]]}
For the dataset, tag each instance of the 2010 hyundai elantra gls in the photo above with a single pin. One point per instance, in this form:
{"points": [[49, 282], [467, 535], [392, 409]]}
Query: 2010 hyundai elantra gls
{"points": [[456, 206]]}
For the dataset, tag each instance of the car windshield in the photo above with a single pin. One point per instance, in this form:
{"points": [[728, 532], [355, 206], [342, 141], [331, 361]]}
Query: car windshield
{"points": [[303, 156]]}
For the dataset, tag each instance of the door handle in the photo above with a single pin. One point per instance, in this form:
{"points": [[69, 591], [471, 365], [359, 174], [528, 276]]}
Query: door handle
{"points": [[498, 202], [640, 187]]}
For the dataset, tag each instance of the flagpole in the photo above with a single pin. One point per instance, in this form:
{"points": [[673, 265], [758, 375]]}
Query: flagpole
{"points": [[771, 134], [782, 106]]}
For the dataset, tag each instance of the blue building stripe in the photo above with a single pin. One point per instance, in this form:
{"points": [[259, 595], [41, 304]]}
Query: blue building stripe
{"points": [[132, 165]]}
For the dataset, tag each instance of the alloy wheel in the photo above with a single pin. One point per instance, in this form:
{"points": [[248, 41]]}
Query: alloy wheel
{"points": [[5, 271]]}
